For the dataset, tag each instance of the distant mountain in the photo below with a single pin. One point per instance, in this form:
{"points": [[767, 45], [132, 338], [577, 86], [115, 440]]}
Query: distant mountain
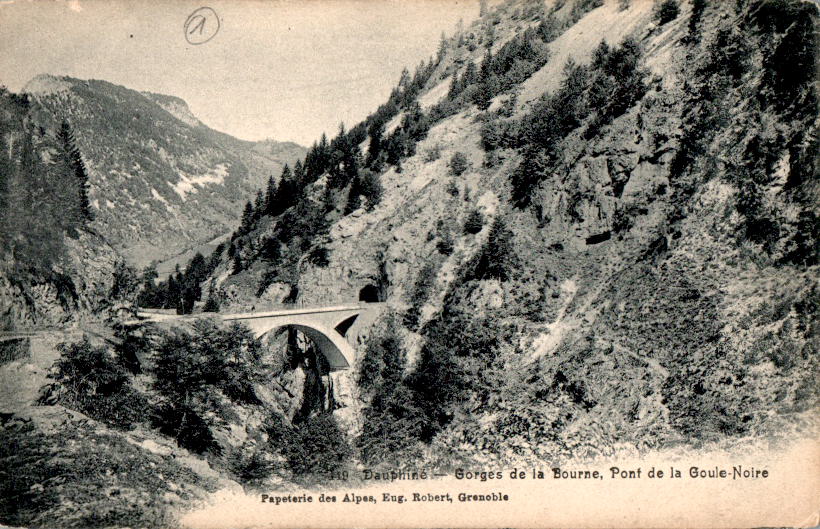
{"points": [[161, 182]]}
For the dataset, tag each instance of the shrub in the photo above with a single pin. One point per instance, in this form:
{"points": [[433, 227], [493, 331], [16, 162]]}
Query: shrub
{"points": [[474, 222], [667, 11], [250, 464], [384, 358], [432, 154], [126, 283], [421, 291], [445, 244], [452, 188], [458, 164], [89, 380], [316, 446], [454, 365], [372, 189], [211, 304]]}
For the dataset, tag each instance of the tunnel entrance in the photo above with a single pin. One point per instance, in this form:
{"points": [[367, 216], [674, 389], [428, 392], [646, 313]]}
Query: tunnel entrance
{"points": [[371, 294]]}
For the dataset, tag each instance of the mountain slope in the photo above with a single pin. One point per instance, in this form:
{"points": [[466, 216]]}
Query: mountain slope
{"points": [[161, 181], [647, 265]]}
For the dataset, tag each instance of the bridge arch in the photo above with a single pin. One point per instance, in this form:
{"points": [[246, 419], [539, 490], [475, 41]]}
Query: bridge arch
{"points": [[334, 347], [325, 329]]}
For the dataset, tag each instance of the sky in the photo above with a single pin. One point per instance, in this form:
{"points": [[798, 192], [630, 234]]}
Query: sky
{"points": [[282, 69]]}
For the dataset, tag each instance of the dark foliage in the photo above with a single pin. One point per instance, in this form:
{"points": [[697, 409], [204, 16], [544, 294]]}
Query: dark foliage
{"points": [[182, 289], [315, 447], [89, 379], [458, 164], [602, 92], [392, 422], [421, 290], [459, 348], [194, 371], [667, 11], [43, 198], [497, 258], [474, 222]]}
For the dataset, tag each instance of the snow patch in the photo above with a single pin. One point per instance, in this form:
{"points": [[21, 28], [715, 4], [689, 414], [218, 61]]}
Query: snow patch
{"points": [[189, 183]]}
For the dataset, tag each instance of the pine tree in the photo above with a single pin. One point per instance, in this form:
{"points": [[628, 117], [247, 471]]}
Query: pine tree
{"points": [[83, 205], [299, 174], [497, 259], [270, 195], [371, 188], [247, 219], [287, 193], [474, 222], [258, 205], [354, 197], [442, 48], [470, 75], [374, 149], [527, 176], [211, 304]]}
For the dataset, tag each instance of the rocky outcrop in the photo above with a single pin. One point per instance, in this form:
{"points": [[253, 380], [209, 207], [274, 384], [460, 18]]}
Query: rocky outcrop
{"points": [[78, 288]]}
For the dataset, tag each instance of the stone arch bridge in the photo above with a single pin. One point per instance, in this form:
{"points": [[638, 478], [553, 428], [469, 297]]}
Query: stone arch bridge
{"points": [[325, 326]]}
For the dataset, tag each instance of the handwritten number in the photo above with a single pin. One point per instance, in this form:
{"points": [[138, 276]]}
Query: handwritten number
{"points": [[200, 25]]}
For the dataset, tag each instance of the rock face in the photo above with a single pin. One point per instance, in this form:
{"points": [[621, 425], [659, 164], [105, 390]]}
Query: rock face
{"points": [[161, 181], [78, 288]]}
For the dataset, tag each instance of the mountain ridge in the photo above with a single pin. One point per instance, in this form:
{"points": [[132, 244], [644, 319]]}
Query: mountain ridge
{"points": [[160, 180]]}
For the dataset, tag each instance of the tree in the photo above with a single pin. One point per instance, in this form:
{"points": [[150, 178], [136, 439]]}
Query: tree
{"points": [[474, 222], [667, 11], [94, 383], [470, 76], [371, 188], [126, 284], [316, 446], [150, 296], [287, 194], [190, 366], [354, 197], [211, 304], [270, 195], [259, 205], [698, 7], [497, 258], [78, 209], [445, 244], [458, 163], [392, 422], [247, 219], [374, 149]]}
